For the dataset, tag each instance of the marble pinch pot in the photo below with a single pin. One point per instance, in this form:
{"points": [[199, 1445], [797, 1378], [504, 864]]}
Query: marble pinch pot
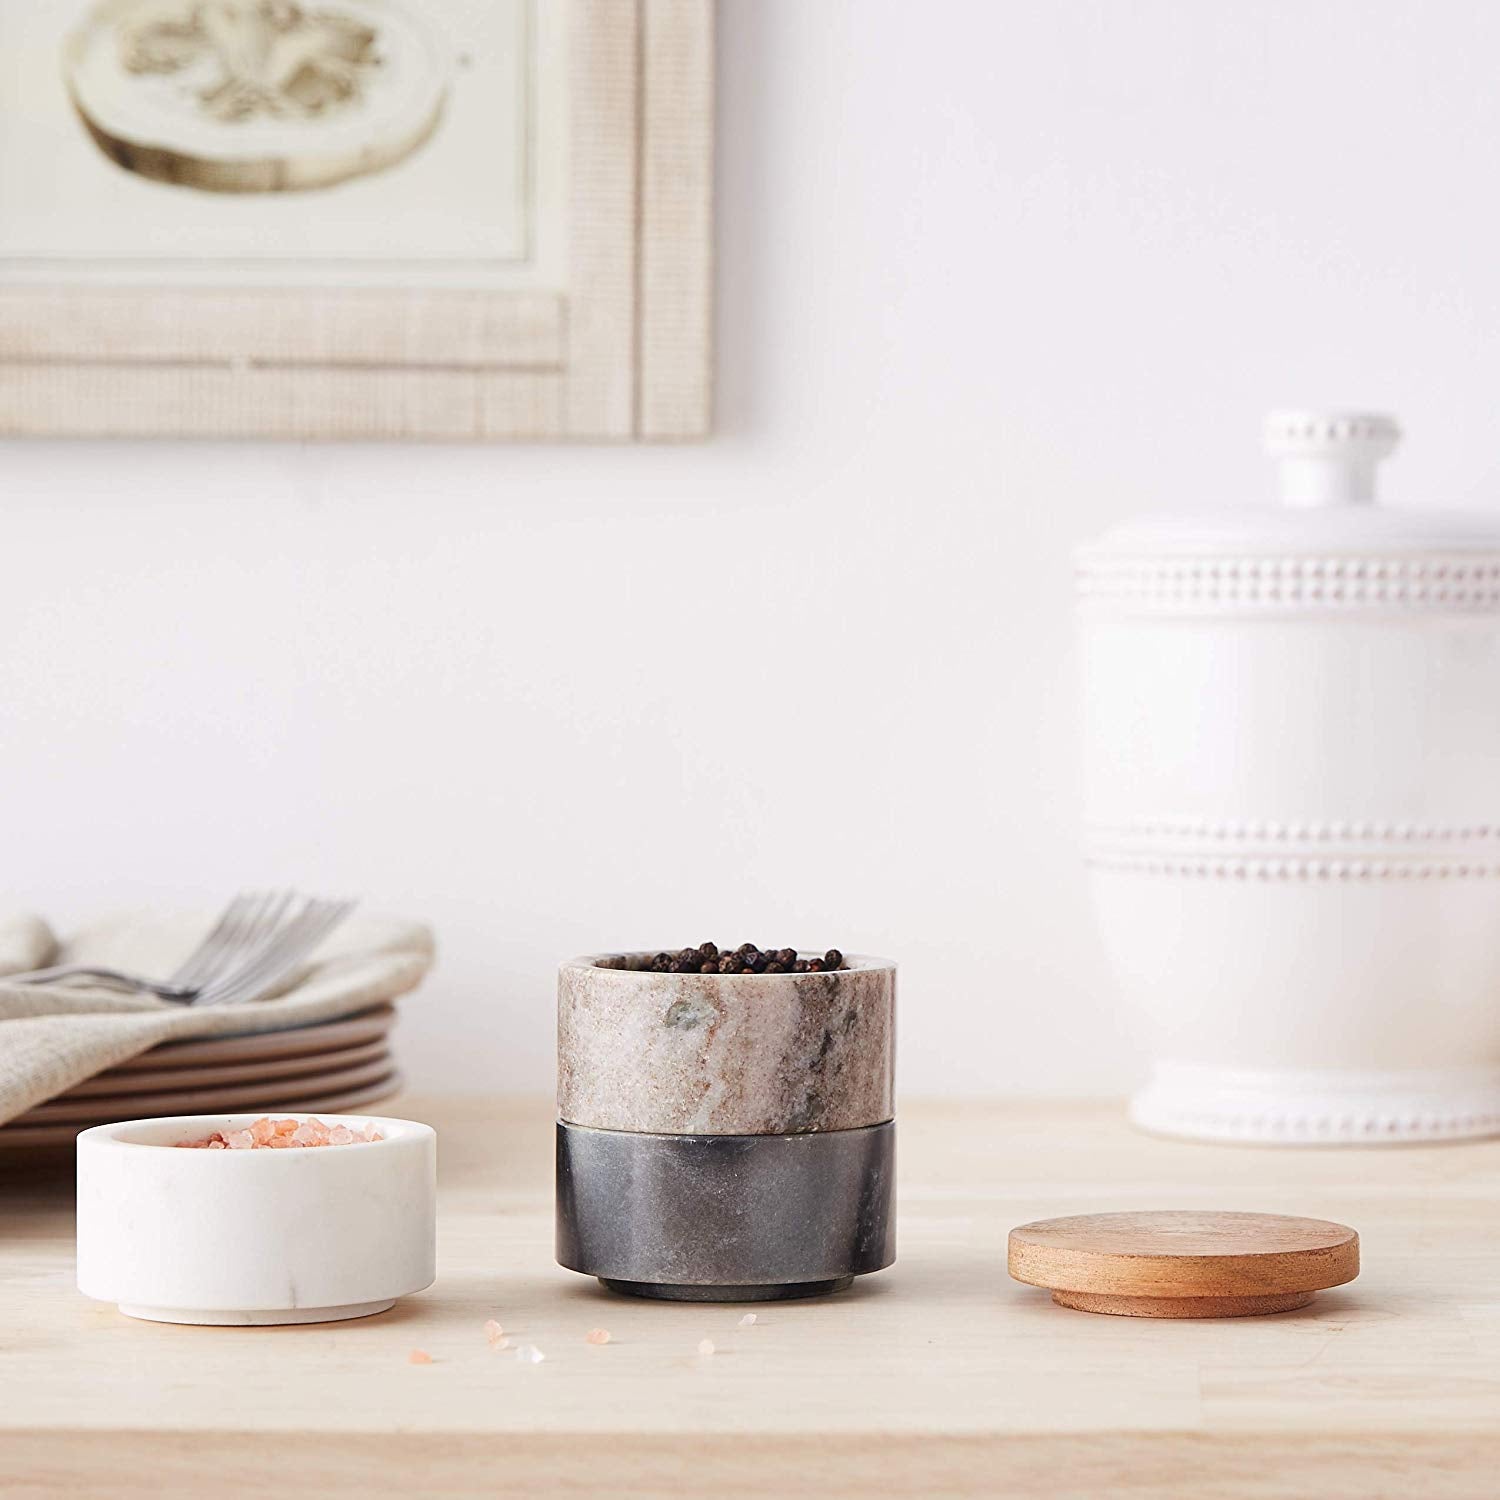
{"points": [[725, 1137], [724, 1054], [307, 1235]]}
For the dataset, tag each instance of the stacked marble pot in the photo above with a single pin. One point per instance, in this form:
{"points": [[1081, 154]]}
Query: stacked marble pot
{"points": [[725, 1137]]}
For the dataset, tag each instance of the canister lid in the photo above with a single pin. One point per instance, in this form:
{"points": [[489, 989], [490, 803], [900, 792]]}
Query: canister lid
{"points": [[1184, 1264], [1327, 463]]}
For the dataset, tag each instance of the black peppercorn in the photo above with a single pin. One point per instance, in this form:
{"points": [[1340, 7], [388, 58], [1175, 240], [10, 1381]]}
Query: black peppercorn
{"points": [[709, 958]]}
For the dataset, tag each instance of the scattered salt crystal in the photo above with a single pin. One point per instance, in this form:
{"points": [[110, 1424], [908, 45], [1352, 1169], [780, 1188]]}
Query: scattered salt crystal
{"points": [[419, 1357], [706, 1347], [596, 1336], [492, 1330], [529, 1354], [748, 1321], [340, 1135], [370, 1133]]}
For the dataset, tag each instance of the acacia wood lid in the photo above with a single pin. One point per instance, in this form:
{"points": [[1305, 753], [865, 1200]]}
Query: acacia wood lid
{"points": [[1173, 1264]]}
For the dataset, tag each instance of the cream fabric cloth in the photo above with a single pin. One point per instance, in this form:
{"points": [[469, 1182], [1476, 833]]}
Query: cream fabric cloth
{"points": [[55, 1035]]}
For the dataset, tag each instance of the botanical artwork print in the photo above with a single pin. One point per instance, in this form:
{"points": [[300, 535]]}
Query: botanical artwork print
{"points": [[254, 57], [245, 96]]}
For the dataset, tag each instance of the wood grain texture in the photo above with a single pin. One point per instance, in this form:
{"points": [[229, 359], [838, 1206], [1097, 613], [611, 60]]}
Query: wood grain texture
{"points": [[604, 99], [675, 379], [940, 1377], [1177, 1264], [1256, 1306], [282, 402], [447, 330]]}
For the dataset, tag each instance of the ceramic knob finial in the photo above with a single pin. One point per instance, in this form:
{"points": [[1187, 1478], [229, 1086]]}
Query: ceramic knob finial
{"points": [[1329, 458]]}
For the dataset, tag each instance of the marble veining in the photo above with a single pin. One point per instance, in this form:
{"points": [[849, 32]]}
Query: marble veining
{"points": [[724, 1054]]}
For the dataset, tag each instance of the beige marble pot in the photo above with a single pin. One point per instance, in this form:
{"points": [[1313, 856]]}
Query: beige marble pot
{"points": [[724, 1054]]}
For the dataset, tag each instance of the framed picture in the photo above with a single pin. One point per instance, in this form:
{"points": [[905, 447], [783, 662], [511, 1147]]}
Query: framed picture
{"points": [[446, 219]]}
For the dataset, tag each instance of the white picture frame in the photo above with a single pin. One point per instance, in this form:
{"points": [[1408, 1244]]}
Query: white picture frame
{"points": [[611, 342]]}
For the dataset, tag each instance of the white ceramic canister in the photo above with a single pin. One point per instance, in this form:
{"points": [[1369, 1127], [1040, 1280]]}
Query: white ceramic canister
{"points": [[1292, 722]]}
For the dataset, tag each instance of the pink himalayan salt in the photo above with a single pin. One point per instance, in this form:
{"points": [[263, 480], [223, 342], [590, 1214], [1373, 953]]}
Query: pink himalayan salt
{"points": [[706, 1347], [596, 1336], [493, 1331], [272, 1135], [419, 1357]]}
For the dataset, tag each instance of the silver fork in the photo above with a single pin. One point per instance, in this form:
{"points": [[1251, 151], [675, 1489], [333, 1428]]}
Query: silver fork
{"points": [[277, 957], [258, 939]]}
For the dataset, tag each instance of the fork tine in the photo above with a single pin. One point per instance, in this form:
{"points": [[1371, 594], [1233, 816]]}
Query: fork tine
{"points": [[296, 940], [279, 954], [205, 955], [259, 912], [275, 921]]}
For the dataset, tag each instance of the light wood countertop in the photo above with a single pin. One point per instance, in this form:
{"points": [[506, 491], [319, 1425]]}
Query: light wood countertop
{"points": [[939, 1377]]}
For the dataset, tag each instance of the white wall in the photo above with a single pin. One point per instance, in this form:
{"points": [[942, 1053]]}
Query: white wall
{"points": [[991, 275]]}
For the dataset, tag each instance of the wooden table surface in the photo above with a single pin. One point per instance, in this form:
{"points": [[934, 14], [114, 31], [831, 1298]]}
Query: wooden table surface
{"points": [[938, 1377]]}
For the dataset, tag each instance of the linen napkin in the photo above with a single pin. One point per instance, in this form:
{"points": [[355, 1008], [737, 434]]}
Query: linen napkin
{"points": [[53, 1036]]}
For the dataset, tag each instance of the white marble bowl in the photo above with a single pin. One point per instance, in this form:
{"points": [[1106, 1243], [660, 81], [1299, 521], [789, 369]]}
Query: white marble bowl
{"points": [[254, 1237]]}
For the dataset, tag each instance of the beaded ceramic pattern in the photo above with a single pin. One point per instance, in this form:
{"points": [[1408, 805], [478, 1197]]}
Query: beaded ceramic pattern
{"points": [[1461, 583], [1294, 869], [1269, 831]]}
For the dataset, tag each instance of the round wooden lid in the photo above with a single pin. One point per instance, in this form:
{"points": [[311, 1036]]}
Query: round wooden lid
{"points": [[1171, 1264]]}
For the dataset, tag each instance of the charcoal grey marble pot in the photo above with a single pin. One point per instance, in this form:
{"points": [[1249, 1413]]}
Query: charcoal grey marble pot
{"points": [[725, 1137]]}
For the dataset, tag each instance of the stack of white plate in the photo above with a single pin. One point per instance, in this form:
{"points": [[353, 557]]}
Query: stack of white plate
{"points": [[333, 1068]]}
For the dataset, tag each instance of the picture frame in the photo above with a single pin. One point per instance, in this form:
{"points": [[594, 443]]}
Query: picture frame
{"points": [[610, 341]]}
